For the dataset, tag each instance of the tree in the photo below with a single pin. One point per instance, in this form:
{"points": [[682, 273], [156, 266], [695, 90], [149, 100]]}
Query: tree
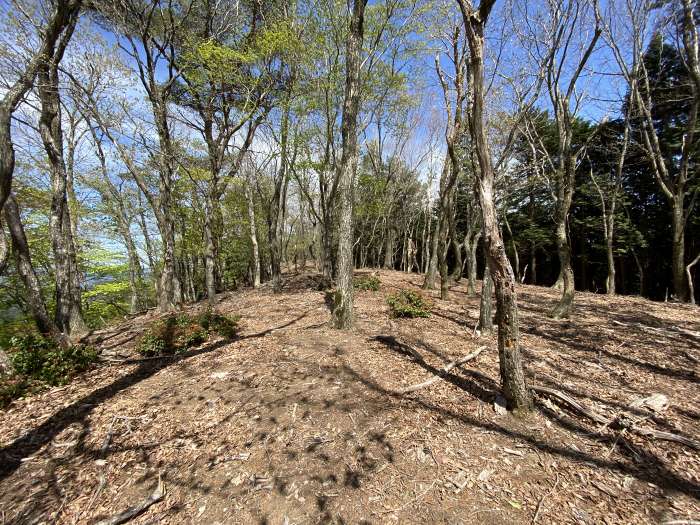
{"points": [[563, 62], [69, 315], [59, 25], [515, 389], [343, 300], [663, 83]]}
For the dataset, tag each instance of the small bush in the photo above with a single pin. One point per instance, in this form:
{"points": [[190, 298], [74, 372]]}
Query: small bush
{"points": [[367, 283], [179, 333], [407, 303], [38, 361], [225, 326], [151, 345], [40, 358]]}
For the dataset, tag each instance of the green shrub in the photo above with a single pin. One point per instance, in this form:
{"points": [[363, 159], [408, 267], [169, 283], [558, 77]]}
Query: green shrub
{"points": [[176, 334], [151, 345], [367, 283], [38, 361], [407, 303], [40, 358], [62, 364], [226, 327]]}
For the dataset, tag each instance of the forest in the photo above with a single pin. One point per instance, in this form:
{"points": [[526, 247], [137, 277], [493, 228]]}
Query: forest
{"points": [[477, 215]]}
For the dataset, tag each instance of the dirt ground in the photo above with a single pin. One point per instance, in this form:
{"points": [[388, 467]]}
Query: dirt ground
{"points": [[295, 422]]}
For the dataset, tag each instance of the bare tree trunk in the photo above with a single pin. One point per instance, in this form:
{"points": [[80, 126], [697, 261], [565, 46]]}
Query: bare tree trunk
{"points": [[457, 272], [150, 250], [514, 245], [209, 250], [431, 273], [566, 272], [680, 287], [389, 246], [25, 268], [515, 389], [277, 206], [486, 302], [4, 250], [470, 250], [253, 230], [69, 316], [690, 278], [343, 303]]}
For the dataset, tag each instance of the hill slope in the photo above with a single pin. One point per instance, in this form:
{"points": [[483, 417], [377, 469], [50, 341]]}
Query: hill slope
{"points": [[294, 422]]}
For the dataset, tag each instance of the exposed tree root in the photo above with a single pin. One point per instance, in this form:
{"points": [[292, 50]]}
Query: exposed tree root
{"points": [[618, 423]]}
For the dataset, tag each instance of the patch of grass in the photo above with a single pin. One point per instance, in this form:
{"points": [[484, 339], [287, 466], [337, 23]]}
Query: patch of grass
{"points": [[408, 303], [367, 283], [38, 361], [178, 333]]}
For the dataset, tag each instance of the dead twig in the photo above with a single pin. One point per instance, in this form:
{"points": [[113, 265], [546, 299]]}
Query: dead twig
{"points": [[539, 503], [443, 371], [134, 511]]}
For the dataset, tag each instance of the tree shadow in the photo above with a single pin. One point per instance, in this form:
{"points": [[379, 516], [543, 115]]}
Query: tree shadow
{"points": [[651, 469], [11, 455]]}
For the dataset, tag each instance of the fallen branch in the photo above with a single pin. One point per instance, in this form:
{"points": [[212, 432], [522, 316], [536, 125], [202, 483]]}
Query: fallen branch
{"points": [[442, 372], [622, 424], [134, 511]]}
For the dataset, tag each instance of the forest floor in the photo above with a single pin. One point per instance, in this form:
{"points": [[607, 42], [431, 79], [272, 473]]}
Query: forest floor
{"points": [[294, 422]]}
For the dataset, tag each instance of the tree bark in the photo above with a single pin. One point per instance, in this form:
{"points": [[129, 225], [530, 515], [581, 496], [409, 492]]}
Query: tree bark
{"points": [[470, 250], [69, 317], [343, 301], [25, 268], [277, 211], [62, 17], [690, 278], [515, 389], [253, 230], [486, 302], [430, 274]]}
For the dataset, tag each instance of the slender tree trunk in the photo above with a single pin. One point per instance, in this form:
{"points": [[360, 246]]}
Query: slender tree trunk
{"points": [[137, 301], [609, 255], [170, 286], [457, 272], [533, 263], [279, 199], [690, 278], [515, 389], [389, 246], [486, 302], [343, 303], [150, 250], [253, 231], [431, 273], [69, 316], [472, 264], [209, 250], [25, 268], [566, 272], [680, 285]]}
